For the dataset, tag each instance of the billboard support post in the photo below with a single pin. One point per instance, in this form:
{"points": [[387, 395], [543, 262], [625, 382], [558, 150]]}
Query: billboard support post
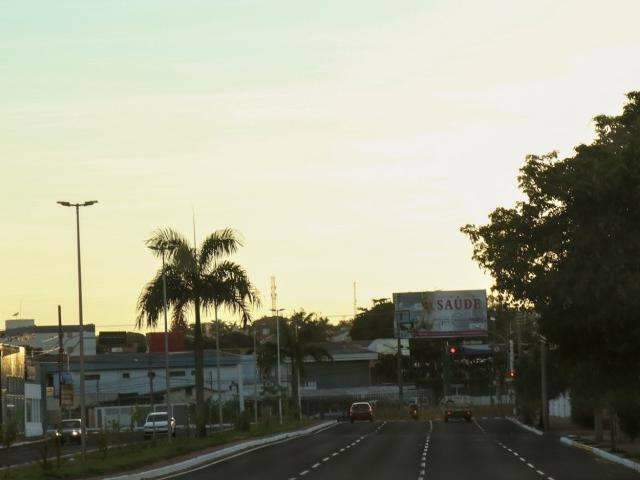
{"points": [[400, 379]]}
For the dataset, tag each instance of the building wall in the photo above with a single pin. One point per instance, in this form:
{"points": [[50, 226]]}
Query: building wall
{"points": [[33, 410], [338, 374], [105, 385], [48, 341]]}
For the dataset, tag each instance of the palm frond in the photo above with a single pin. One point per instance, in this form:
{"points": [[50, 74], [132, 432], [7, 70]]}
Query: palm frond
{"points": [[165, 238], [184, 260], [220, 243], [228, 286], [151, 303]]}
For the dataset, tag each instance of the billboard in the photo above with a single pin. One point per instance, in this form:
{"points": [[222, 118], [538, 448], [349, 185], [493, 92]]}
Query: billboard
{"points": [[441, 314]]}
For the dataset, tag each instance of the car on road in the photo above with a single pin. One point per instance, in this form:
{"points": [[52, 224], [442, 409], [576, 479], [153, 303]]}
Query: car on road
{"points": [[361, 411], [70, 430], [159, 422], [453, 410]]}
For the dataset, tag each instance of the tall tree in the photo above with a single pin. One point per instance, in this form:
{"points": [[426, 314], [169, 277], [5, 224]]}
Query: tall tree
{"points": [[200, 279], [571, 249], [301, 336], [374, 322]]}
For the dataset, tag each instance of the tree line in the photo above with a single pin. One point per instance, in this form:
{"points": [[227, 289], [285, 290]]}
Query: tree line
{"points": [[570, 251]]}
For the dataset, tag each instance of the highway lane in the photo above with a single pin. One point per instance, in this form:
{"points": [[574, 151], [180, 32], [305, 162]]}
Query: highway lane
{"points": [[285, 460], [547, 454], [417, 450]]}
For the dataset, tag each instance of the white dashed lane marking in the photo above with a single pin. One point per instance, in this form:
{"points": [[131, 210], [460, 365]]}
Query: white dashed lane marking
{"points": [[338, 452], [523, 460], [423, 458]]}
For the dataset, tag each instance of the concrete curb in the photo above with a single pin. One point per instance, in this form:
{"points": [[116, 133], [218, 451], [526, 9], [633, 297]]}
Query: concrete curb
{"points": [[219, 454], [526, 427], [602, 454]]}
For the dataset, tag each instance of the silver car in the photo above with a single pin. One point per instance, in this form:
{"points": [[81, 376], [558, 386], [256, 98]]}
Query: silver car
{"points": [[70, 430], [159, 422]]}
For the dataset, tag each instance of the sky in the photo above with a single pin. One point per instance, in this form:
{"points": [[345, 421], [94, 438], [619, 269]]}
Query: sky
{"points": [[345, 140]]}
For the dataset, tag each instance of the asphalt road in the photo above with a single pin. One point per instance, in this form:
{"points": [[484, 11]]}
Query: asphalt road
{"points": [[489, 449]]}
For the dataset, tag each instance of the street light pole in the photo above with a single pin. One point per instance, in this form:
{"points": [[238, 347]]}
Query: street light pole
{"points": [[83, 413], [218, 380], [255, 373], [164, 248], [277, 315], [166, 347], [543, 380]]}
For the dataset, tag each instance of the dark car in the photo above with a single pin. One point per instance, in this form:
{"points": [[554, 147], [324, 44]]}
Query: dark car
{"points": [[361, 411], [70, 430], [452, 410]]}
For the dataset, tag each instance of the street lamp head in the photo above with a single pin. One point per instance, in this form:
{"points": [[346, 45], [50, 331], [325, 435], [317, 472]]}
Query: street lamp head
{"points": [[64, 204], [89, 203]]}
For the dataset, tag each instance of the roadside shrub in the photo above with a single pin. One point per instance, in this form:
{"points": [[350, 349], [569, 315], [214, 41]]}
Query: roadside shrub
{"points": [[44, 455], [10, 434], [243, 422], [627, 408], [103, 442]]}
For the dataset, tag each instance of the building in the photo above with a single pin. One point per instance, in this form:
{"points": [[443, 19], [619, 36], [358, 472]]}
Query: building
{"points": [[127, 379], [25, 333], [20, 392], [155, 341], [115, 342]]}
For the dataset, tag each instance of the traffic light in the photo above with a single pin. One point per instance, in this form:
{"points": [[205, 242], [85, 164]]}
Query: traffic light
{"points": [[453, 350], [511, 374]]}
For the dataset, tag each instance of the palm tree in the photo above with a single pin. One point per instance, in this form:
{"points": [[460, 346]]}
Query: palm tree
{"points": [[297, 344], [201, 279]]}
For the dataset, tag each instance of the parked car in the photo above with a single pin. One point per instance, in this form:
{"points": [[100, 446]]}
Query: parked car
{"points": [[70, 430], [159, 422], [361, 411]]}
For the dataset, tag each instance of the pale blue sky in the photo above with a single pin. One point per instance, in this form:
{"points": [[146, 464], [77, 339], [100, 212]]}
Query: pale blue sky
{"points": [[346, 140]]}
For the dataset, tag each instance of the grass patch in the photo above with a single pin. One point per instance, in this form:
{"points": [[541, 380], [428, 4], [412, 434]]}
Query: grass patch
{"points": [[131, 457]]}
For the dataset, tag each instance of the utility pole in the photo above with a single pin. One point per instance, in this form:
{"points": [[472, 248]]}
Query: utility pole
{"points": [[399, 366], [1, 399], [218, 379], [355, 303], [274, 309], [543, 379], [83, 412], [166, 247], [297, 380], [60, 359], [255, 379], [151, 395]]}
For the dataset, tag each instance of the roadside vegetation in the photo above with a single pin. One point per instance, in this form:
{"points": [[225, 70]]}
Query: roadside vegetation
{"points": [[141, 454], [569, 254]]}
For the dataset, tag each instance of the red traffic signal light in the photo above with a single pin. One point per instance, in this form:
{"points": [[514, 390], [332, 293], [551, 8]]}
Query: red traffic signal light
{"points": [[511, 374], [453, 350]]}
